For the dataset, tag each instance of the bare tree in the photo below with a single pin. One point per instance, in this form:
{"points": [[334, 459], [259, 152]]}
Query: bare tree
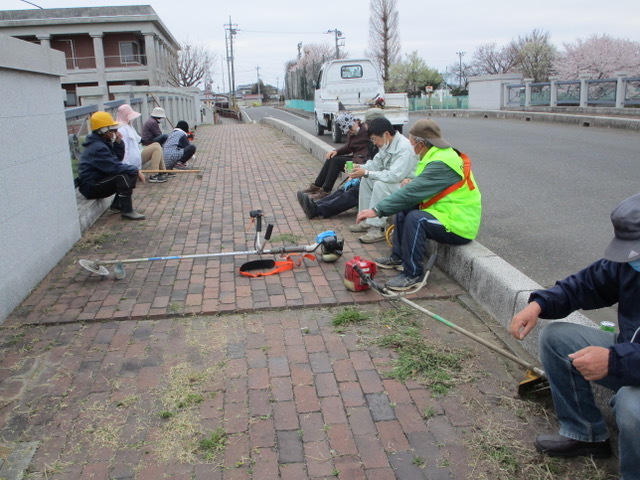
{"points": [[384, 40], [489, 59], [536, 55], [193, 65], [599, 56]]}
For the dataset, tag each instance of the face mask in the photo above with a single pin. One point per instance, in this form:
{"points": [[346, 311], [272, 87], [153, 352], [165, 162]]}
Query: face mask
{"points": [[635, 265]]}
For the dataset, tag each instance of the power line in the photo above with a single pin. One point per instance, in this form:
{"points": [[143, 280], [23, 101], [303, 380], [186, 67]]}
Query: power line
{"points": [[25, 1], [283, 33]]}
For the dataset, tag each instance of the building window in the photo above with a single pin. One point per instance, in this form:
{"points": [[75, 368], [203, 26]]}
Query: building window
{"points": [[129, 52], [69, 49]]}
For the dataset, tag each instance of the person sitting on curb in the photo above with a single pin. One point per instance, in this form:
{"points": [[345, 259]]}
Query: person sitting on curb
{"points": [[356, 149], [381, 176], [131, 139], [101, 172], [346, 197], [575, 355], [151, 132], [178, 150], [442, 203]]}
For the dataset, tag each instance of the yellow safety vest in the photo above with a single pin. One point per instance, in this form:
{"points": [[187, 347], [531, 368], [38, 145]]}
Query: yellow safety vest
{"points": [[458, 207]]}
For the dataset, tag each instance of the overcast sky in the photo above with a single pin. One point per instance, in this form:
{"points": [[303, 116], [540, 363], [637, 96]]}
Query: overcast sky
{"points": [[269, 30]]}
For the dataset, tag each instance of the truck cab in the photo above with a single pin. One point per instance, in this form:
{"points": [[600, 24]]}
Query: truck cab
{"points": [[354, 85]]}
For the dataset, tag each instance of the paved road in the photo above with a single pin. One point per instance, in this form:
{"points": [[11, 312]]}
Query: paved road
{"points": [[548, 188]]}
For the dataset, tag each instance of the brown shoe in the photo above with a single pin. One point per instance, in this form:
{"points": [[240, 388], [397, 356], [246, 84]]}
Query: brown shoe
{"points": [[312, 189], [320, 195]]}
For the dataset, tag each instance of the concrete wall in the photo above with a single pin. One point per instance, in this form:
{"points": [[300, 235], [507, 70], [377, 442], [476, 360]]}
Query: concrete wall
{"points": [[39, 218], [486, 92]]}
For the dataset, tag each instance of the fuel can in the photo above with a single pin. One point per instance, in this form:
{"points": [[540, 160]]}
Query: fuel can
{"points": [[608, 326], [351, 278]]}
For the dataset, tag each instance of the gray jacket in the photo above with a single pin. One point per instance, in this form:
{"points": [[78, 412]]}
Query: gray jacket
{"points": [[395, 163]]}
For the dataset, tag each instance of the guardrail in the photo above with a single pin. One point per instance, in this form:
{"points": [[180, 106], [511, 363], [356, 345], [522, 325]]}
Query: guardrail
{"points": [[620, 92]]}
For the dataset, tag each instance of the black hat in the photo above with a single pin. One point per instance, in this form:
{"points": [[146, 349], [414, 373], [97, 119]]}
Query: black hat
{"points": [[625, 246], [182, 125]]}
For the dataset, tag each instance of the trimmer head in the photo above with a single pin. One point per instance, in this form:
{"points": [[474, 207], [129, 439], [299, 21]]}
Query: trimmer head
{"points": [[532, 384], [93, 267]]}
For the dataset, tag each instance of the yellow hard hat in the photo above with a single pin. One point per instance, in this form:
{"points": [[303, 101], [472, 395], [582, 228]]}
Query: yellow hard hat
{"points": [[103, 121]]}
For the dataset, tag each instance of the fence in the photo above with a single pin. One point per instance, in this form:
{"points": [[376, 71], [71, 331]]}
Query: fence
{"points": [[620, 92]]}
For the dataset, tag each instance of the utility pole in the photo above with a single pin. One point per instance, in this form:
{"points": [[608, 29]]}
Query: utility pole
{"points": [[338, 36], [230, 32], [258, 73], [460, 54]]}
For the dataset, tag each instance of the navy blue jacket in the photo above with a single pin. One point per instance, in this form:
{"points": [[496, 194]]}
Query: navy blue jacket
{"points": [[602, 284], [101, 159]]}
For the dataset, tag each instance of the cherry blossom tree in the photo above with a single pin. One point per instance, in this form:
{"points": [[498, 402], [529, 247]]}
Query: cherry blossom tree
{"points": [[599, 56]]}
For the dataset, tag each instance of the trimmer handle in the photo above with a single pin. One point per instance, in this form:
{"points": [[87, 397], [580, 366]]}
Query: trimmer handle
{"points": [[257, 214], [366, 278]]}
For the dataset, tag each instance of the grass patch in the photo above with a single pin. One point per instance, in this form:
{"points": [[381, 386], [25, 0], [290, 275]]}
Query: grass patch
{"points": [[214, 443], [349, 315], [436, 364], [94, 239], [285, 238]]}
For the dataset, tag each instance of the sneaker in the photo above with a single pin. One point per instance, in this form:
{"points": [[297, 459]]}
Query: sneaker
{"points": [[403, 282], [170, 174], [389, 262], [308, 206], [359, 227], [180, 166], [312, 189], [373, 235], [320, 195], [158, 178]]}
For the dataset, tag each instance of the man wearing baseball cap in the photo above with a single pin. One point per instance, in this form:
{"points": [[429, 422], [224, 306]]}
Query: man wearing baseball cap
{"points": [[575, 355], [442, 203]]}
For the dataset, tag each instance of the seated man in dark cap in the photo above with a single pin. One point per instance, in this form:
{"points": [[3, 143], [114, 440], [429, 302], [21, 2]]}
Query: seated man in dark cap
{"points": [[575, 355], [101, 172], [441, 203]]}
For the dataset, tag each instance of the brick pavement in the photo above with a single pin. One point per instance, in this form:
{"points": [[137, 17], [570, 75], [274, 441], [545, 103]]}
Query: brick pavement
{"points": [[122, 378]]}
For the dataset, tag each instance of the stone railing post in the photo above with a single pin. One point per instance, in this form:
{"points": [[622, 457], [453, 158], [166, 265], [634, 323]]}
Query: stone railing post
{"points": [[584, 89], [621, 88], [527, 91], [553, 91]]}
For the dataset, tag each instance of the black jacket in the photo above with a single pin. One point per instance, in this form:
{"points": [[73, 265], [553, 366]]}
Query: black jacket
{"points": [[101, 159], [602, 284]]}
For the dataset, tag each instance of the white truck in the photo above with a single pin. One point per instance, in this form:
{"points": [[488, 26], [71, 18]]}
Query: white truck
{"points": [[354, 85]]}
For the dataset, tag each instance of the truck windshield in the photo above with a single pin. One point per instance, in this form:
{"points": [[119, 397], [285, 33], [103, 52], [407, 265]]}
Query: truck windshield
{"points": [[351, 71]]}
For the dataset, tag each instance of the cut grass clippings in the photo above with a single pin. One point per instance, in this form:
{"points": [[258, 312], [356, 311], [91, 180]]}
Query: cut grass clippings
{"points": [[180, 437]]}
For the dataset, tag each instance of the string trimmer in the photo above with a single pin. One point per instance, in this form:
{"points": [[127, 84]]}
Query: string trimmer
{"points": [[535, 379], [331, 250]]}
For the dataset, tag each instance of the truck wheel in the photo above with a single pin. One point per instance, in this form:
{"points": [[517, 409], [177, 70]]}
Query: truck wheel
{"points": [[319, 128], [336, 133]]}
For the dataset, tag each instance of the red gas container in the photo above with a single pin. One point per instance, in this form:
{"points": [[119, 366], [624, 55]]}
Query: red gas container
{"points": [[351, 278]]}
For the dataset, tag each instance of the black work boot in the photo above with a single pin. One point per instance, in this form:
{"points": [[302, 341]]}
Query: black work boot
{"points": [[127, 209], [115, 205]]}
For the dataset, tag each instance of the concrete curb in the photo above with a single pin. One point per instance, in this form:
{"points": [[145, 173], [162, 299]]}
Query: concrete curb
{"points": [[497, 286], [571, 119]]}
